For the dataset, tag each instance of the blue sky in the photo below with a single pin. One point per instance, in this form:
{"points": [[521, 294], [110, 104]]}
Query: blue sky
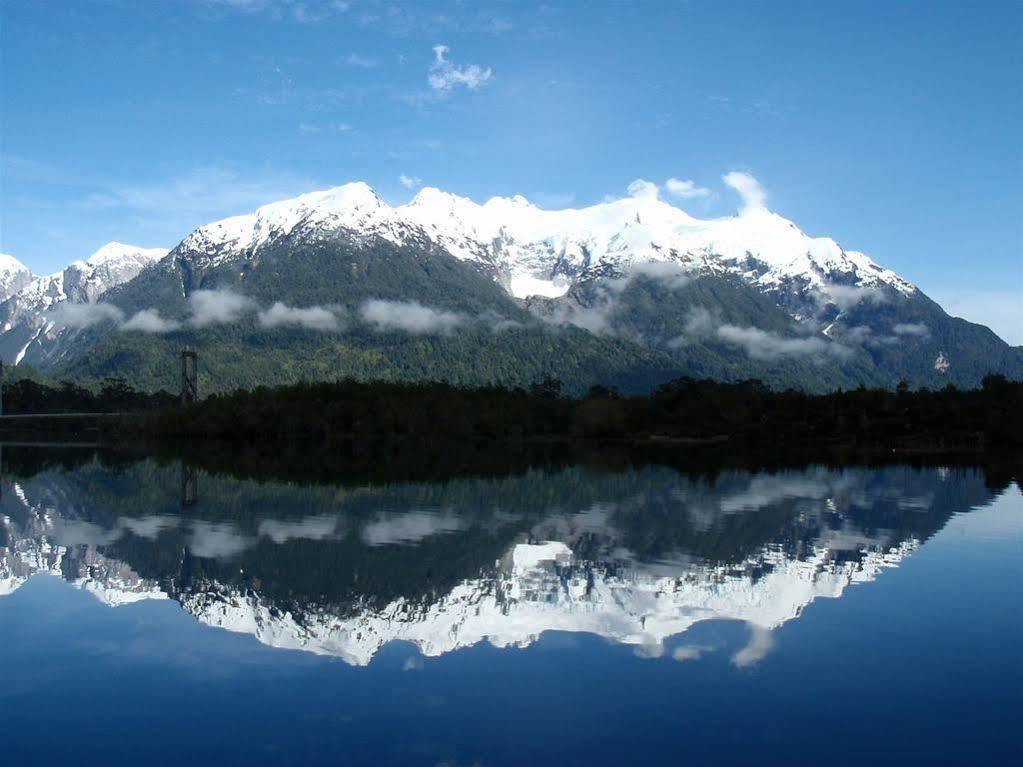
{"points": [[892, 127]]}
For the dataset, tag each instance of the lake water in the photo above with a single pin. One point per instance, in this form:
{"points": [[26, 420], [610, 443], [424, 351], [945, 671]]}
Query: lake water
{"points": [[571, 613]]}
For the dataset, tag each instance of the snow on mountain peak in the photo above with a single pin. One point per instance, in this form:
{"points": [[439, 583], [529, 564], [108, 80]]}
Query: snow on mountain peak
{"points": [[14, 275], [533, 251], [119, 251], [9, 263], [113, 264], [354, 206]]}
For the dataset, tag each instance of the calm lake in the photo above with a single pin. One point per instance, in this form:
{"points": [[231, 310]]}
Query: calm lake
{"points": [[592, 612]]}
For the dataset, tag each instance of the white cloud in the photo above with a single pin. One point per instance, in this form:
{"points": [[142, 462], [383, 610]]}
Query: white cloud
{"points": [[445, 76], [753, 195], [313, 317], [85, 315], [700, 323], [410, 182], [362, 62], [764, 345], [209, 307], [686, 189], [643, 190], [409, 316], [150, 321], [917, 329], [672, 275], [599, 312], [847, 296]]}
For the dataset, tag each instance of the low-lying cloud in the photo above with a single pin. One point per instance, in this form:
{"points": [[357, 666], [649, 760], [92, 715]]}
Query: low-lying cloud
{"points": [[917, 329], [847, 296], [150, 321], [410, 317], [85, 315], [767, 346], [209, 307], [700, 324], [900, 332], [764, 345], [312, 317], [597, 315]]}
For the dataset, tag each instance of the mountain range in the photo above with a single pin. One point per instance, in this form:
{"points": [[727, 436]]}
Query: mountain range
{"points": [[631, 293]]}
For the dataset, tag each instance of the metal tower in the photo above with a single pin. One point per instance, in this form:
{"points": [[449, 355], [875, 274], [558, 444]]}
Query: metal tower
{"points": [[189, 376]]}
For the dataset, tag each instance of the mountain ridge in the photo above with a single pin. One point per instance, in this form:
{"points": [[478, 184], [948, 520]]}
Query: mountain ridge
{"points": [[749, 295]]}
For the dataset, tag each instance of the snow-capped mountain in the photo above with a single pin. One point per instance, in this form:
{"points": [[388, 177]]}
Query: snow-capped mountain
{"points": [[113, 264], [667, 294], [543, 252], [26, 313], [14, 276]]}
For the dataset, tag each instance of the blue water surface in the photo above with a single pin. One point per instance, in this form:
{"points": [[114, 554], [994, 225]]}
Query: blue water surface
{"points": [[917, 662]]}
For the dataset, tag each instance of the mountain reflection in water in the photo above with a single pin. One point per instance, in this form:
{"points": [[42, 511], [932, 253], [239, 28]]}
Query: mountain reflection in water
{"points": [[636, 556]]}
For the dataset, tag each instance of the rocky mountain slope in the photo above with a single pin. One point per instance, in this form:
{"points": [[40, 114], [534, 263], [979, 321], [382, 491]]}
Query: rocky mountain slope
{"points": [[29, 311]]}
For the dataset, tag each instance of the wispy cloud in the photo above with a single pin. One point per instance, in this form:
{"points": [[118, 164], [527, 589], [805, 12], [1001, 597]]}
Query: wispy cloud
{"points": [[298, 11], [682, 189], [643, 190], [601, 311], [686, 189], [752, 193], [917, 329], [768, 346], [410, 182], [150, 321], [445, 76], [360, 61], [313, 129], [203, 194], [85, 315], [847, 296], [700, 324]]}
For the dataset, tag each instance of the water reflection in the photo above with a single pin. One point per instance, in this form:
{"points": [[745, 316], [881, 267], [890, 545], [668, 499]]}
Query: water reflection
{"points": [[637, 556]]}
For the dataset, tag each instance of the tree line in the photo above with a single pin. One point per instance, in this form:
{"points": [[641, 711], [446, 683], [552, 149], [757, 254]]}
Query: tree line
{"points": [[685, 410]]}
